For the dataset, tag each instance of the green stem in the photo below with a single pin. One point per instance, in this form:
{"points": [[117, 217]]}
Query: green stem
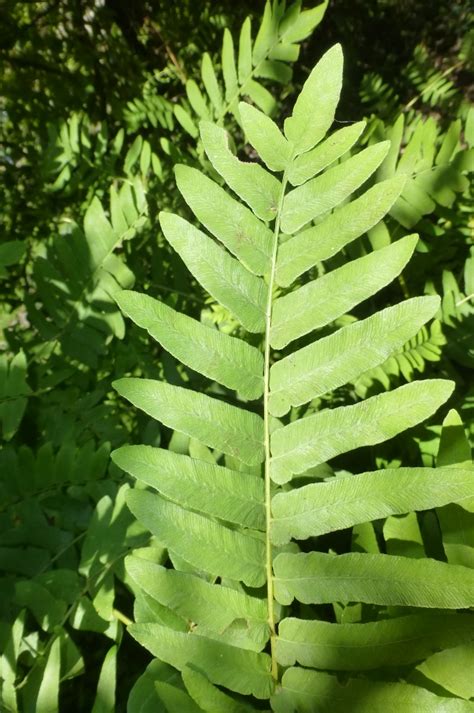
{"points": [[404, 287], [266, 426], [466, 299], [121, 617]]}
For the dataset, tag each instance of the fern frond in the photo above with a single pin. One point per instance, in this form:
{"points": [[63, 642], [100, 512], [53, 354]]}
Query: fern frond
{"points": [[268, 57], [232, 512], [457, 312], [379, 97], [25, 474], [149, 109], [76, 149], [434, 164], [434, 86], [78, 275]]}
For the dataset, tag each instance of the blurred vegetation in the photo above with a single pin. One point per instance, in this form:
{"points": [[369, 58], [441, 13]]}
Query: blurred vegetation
{"points": [[96, 106]]}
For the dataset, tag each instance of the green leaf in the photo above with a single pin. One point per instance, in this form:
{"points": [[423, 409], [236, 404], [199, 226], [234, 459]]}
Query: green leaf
{"points": [[456, 521], [175, 699], [302, 22], [202, 542], [221, 275], [144, 697], [316, 439], [451, 670], [339, 228], [210, 82], [305, 127], [100, 235], [11, 252], [457, 528], [228, 220], [326, 191], [210, 698], [324, 154], [260, 96], [225, 359], [105, 697], [454, 448], [8, 662], [320, 508], [245, 51], [402, 535], [286, 52], [239, 433], [358, 647], [208, 606], [48, 693], [343, 356], [198, 103], [265, 137], [251, 182], [229, 70], [46, 608], [242, 671], [320, 578], [110, 532], [323, 300], [274, 70], [267, 34], [305, 691], [211, 489]]}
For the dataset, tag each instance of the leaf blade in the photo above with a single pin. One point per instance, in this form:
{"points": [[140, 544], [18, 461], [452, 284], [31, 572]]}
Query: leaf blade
{"points": [[324, 154], [341, 227], [211, 489], [325, 299], [221, 275], [364, 646], [320, 508], [265, 137], [251, 182], [306, 691], [344, 355], [242, 671], [202, 542], [209, 606], [240, 433], [329, 189], [316, 439], [242, 233], [372, 578], [322, 88], [229, 361]]}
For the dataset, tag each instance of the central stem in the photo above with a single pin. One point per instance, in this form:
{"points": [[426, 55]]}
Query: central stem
{"points": [[266, 426]]}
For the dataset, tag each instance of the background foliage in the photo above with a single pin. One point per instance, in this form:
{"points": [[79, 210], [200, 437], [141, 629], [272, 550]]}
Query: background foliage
{"points": [[98, 101]]}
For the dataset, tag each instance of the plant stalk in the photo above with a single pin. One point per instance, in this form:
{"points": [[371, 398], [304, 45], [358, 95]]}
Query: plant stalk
{"points": [[266, 426]]}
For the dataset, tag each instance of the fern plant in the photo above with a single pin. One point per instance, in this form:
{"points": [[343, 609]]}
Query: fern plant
{"points": [[235, 605], [77, 275], [268, 57]]}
